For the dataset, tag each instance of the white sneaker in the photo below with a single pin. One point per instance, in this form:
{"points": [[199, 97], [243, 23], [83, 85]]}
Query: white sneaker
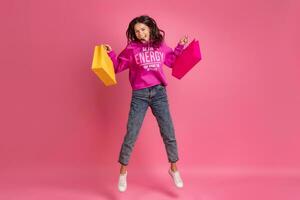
{"points": [[122, 182], [176, 178]]}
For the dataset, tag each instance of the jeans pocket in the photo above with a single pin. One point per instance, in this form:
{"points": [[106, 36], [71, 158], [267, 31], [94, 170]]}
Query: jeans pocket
{"points": [[139, 93], [160, 87]]}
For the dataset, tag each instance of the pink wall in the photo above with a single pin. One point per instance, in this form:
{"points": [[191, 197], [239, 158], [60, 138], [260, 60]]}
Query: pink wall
{"points": [[238, 109]]}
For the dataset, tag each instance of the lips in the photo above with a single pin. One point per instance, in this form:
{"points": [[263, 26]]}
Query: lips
{"points": [[143, 38]]}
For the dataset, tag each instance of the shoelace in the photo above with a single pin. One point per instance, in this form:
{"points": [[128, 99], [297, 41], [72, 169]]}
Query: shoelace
{"points": [[177, 177], [122, 180]]}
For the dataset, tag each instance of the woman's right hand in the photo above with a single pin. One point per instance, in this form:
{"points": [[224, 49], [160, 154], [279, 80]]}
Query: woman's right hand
{"points": [[108, 48]]}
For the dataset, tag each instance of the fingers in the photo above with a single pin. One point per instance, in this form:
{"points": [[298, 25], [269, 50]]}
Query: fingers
{"points": [[184, 39], [108, 47]]}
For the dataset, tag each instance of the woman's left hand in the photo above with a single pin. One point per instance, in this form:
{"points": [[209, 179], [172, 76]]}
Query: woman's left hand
{"points": [[184, 40]]}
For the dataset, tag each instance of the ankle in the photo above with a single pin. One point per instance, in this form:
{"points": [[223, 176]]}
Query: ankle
{"points": [[123, 171], [174, 170], [173, 167]]}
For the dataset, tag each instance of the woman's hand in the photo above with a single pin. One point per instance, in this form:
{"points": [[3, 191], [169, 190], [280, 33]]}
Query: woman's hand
{"points": [[184, 40], [108, 48]]}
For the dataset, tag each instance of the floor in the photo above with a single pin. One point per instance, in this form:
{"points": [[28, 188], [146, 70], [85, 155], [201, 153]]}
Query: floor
{"points": [[91, 184]]}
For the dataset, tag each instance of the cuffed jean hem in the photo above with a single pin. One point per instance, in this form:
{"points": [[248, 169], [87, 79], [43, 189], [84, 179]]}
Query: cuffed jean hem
{"points": [[173, 161], [122, 163], [127, 163]]}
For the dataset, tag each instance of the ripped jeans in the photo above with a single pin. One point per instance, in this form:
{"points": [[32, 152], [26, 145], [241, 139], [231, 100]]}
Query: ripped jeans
{"points": [[156, 98]]}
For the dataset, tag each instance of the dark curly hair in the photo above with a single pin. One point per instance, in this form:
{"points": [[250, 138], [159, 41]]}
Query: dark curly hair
{"points": [[156, 35]]}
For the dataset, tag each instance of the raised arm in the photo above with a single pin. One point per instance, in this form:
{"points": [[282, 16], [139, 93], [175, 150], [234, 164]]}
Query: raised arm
{"points": [[171, 55], [122, 61]]}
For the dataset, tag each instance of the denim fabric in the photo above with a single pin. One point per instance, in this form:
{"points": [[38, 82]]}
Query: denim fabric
{"points": [[156, 98]]}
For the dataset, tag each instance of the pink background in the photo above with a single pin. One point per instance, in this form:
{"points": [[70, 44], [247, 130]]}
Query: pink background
{"points": [[235, 114]]}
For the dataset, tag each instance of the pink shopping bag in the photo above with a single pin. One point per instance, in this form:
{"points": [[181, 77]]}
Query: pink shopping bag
{"points": [[190, 56]]}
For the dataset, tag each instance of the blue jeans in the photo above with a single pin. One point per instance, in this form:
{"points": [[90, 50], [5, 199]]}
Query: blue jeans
{"points": [[156, 98]]}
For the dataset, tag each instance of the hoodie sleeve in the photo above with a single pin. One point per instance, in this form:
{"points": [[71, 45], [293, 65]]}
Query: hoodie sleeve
{"points": [[122, 61], [170, 55]]}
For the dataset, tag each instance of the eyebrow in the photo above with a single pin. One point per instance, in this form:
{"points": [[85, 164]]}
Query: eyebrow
{"points": [[140, 28]]}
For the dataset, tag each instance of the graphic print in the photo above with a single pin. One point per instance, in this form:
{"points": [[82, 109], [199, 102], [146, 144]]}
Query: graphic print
{"points": [[149, 58]]}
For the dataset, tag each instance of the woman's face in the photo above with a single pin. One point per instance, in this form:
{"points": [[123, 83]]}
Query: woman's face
{"points": [[142, 32]]}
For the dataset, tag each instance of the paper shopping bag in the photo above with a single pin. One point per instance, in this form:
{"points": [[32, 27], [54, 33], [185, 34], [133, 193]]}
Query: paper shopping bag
{"points": [[103, 66], [190, 56]]}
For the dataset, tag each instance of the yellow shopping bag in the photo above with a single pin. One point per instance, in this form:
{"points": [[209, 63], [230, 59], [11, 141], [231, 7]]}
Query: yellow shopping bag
{"points": [[103, 66]]}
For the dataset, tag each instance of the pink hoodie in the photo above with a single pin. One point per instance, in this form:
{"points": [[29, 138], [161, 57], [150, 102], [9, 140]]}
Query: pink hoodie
{"points": [[145, 63]]}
